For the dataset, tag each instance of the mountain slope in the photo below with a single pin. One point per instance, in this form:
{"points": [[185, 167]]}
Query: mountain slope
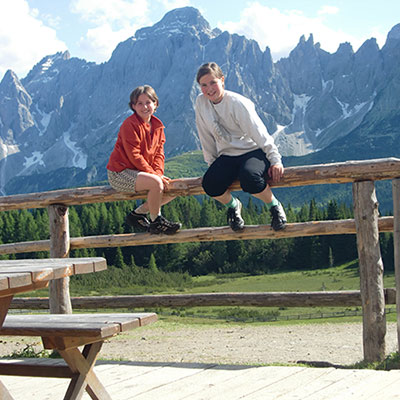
{"points": [[59, 124]]}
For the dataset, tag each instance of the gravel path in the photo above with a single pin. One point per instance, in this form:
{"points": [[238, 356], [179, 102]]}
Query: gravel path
{"points": [[338, 344]]}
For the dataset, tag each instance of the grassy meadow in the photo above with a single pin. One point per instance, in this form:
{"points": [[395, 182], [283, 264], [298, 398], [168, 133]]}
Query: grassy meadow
{"points": [[342, 277]]}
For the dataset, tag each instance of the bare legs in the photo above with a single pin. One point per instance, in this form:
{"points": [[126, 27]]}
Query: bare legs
{"points": [[155, 196]]}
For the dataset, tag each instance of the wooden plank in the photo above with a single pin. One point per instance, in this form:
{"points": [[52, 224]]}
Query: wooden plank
{"points": [[262, 299], [365, 207], [3, 283], [85, 325], [37, 273], [207, 234], [247, 383], [349, 171], [18, 279], [127, 380], [24, 289], [61, 267], [35, 370], [396, 245], [59, 298], [300, 229], [190, 386], [343, 388], [142, 385], [316, 386], [372, 384], [390, 390]]}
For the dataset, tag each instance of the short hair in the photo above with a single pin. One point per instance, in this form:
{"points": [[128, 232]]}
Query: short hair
{"points": [[145, 89], [209, 68]]}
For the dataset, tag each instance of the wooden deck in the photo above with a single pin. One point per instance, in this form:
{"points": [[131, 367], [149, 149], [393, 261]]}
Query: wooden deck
{"points": [[173, 381]]}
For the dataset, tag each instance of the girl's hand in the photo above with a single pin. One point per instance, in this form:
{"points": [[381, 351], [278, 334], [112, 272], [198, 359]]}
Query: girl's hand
{"points": [[276, 172], [165, 181]]}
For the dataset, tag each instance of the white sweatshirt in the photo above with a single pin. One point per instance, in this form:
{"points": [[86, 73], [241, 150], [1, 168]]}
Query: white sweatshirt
{"points": [[232, 127]]}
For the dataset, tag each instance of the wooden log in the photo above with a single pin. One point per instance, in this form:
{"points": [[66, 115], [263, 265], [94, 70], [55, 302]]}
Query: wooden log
{"points": [[349, 171], [345, 298], [396, 244], [301, 229], [371, 270], [60, 302]]}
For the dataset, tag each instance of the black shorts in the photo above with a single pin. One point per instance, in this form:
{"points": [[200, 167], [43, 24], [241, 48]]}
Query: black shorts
{"points": [[251, 169]]}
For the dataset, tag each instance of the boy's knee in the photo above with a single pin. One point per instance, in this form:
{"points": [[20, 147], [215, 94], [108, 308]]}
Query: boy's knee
{"points": [[212, 189], [252, 184]]}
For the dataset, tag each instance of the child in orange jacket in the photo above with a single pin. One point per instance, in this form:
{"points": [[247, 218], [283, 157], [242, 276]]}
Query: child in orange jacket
{"points": [[137, 162]]}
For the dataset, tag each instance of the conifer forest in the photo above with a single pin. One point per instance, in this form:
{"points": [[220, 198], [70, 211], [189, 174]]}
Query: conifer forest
{"points": [[199, 258]]}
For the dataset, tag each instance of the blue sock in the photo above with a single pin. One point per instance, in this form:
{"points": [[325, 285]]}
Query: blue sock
{"points": [[274, 202], [233, 203]]}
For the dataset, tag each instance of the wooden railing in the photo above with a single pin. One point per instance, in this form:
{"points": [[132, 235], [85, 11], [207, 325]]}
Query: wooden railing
{"points": [[366, 225]]}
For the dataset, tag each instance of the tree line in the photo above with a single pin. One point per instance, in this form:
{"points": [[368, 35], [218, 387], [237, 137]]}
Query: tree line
{"points": [[199, 258]]}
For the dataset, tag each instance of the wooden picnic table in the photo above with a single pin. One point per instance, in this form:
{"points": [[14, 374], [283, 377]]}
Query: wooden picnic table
{"points": [[19, 276]]}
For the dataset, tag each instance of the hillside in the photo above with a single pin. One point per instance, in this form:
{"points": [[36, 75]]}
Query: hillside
{"points": [[58, 124]]}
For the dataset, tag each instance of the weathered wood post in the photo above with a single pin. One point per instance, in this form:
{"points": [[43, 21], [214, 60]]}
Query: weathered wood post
{"points": [[396, 244], [371, 270], [59, 299]]}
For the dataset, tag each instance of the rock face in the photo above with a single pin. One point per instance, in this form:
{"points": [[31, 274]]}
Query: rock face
{"points": [[58, 125]]}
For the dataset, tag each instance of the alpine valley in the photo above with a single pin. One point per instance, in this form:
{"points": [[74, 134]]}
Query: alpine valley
{"points": [[59, 124]]}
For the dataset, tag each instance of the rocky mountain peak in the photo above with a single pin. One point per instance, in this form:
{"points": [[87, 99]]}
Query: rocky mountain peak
{"points": [[46, 64], [12, 89], [178, 21], [394, 33], [63, 118]]}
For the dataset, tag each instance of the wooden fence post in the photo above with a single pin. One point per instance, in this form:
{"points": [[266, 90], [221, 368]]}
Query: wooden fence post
{"points": [[59, 298], [396, 244], [371, 270]]}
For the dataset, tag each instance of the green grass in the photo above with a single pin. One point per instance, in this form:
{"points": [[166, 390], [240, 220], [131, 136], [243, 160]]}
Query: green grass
{"points": [[342, 277]]}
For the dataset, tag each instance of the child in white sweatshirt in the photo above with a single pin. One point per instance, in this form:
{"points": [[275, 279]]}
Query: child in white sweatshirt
{"points": [[236, 145]]}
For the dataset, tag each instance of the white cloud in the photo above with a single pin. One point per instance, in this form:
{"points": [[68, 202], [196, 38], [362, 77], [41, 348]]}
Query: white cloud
{"points": [[281, 30], [105, 11], [24, 39], [112, 21], [328, 10], [99, 42]]}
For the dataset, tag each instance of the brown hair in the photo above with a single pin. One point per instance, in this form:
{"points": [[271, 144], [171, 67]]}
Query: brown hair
{"points": [[145, 89], [209, 68]]}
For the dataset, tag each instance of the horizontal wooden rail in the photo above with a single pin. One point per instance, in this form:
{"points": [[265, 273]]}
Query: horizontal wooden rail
{"points": [[299, 229], [258, 299], [350, 171]]}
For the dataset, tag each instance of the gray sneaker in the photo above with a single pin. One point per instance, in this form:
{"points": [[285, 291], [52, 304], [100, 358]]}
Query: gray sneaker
{"points": [[278, 217]]}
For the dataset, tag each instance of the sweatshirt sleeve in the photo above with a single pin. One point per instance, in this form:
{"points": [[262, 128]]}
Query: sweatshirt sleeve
{"points": [[207, 140], [131, 142], [250, 123]]}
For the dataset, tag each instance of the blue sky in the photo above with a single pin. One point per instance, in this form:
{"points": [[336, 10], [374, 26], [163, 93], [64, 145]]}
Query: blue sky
{"points": [[91, 29]]}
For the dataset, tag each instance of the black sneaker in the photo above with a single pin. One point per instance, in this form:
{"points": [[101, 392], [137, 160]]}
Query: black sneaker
{"points": [[278, 217], [138, 221], [235, 220], [162, 225]]}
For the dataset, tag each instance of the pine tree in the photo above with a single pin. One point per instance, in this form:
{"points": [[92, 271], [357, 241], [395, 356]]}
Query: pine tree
{"points": [[119, 259], [152, 263]]}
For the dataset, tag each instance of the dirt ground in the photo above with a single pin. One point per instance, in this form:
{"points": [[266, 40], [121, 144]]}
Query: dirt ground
{"points": [[337, 344]]}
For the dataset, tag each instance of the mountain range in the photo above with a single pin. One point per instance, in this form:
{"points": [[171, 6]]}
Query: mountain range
{"points": [[59, 124]]}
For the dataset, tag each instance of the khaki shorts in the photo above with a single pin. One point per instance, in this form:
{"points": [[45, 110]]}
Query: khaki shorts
{"points": [[124, 181]]}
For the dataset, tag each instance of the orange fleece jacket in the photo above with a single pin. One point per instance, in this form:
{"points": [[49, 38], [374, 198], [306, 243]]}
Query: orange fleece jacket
{"points": [[139, 148]]}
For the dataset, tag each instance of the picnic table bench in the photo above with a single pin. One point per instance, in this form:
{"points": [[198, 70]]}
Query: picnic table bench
{"points": [[65, 333]]}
